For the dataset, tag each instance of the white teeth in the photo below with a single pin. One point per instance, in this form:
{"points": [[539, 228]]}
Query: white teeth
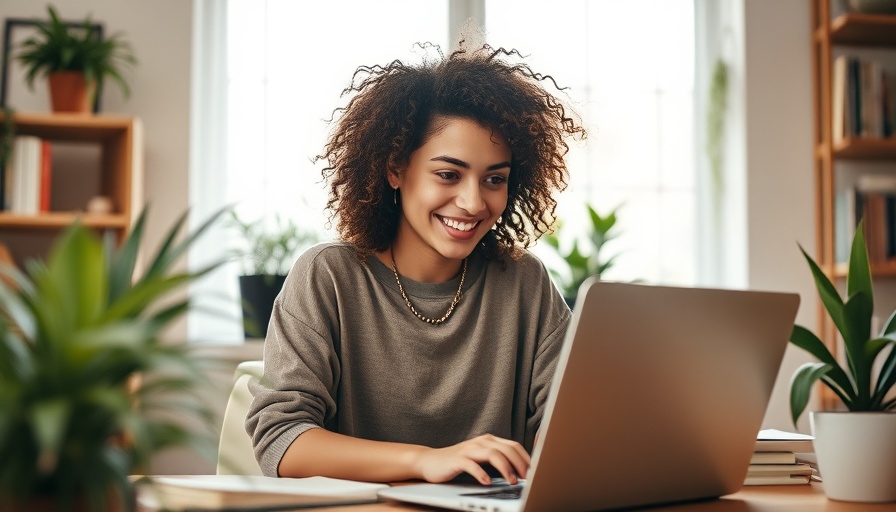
{"points": [[460, 226]]}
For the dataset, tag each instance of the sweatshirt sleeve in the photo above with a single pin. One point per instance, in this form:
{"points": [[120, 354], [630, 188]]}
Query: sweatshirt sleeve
{"points": [[555, 318], [301, 367]]}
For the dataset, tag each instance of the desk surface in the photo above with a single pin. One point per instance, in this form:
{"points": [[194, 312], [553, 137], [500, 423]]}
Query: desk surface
{"points": [[790, 498]]}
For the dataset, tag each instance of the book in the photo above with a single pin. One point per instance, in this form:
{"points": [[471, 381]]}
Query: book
{"points": [[777, 480], [45, 177], [773, 458], [774, 440], [779, 469], [240, 492]]}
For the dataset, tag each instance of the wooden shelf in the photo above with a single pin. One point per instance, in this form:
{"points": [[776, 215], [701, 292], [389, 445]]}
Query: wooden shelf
{"points": [[885, 269], [61, 220], [864, 30], [114, 170], [866, 148]]}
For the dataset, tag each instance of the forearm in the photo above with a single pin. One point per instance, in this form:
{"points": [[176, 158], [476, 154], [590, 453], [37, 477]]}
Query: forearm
{"points": [[319, 452]]}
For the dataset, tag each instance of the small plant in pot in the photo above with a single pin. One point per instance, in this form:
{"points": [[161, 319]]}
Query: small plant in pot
{"points": [[582, 265], [268, 252], [76, 60], [89, 391], [856, 448]]}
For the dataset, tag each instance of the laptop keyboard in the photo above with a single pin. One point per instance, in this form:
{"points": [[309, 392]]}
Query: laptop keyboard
{"points": [[510, 492]]}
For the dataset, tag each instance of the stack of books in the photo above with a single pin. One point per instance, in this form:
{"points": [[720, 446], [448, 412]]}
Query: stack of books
{"points": [[781, 458]]}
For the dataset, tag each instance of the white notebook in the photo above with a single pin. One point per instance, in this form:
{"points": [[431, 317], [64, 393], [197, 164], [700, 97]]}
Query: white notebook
{"points": [[225, 492]]}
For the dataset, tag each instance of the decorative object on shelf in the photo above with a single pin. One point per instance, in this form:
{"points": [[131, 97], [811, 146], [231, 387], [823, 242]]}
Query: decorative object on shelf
{"points": [[582, 265], [268, 253], [88, 390], [856, 449], [77, 60], [872, 6], [101, 205]]}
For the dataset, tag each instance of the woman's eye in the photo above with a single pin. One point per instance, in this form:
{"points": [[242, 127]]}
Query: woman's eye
{"points": [[496, 179], [447, 175]]}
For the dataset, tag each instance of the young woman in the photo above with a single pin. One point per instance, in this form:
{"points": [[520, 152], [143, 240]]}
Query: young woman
{"points": [[422, 345]]}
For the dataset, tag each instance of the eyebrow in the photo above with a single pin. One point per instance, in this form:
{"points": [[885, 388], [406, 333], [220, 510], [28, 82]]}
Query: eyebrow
{"points": [[460, 163]]}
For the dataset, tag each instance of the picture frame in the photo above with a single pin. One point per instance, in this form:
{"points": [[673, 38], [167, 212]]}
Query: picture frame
{"points": [[16, 30]]}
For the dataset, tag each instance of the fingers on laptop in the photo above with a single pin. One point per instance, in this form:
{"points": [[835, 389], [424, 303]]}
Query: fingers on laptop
{"points": [[509, 458]]}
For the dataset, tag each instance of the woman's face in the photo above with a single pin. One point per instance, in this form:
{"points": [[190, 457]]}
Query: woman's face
{"points": [[452, 192]]}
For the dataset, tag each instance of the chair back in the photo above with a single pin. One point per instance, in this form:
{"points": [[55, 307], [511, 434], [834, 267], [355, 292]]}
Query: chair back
{"points": [[235, 453]]}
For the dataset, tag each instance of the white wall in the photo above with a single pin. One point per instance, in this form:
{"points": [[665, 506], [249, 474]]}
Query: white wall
{"points": [[778, 143]]}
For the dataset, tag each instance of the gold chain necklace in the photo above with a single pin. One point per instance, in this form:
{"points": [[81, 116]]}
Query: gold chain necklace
{"points": [[411, 306]]}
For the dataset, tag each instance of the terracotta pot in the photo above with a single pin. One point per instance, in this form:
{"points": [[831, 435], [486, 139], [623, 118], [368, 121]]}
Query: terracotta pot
{"points": [[856, 455], [69, 92]]}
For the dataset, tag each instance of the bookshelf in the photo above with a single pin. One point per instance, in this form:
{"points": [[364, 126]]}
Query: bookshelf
{"points": [[840, 158], [93, 155]]}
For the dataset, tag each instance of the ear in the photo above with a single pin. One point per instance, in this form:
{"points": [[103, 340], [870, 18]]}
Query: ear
{"points": [[394, 178]]}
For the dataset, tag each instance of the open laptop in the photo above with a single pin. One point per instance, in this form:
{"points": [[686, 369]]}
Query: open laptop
{"points": [[658, 396]]}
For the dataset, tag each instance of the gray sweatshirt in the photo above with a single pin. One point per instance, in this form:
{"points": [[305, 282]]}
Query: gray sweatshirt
{"points": [[345, 353]]}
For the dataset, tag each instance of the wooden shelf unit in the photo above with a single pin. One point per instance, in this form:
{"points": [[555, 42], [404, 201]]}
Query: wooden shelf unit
{"points": [[120, 144], [847, 30]]}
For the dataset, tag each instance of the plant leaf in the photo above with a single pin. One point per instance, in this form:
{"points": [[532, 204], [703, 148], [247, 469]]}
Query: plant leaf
{"points": [[801, 386], [828, 294], [808, 341]]}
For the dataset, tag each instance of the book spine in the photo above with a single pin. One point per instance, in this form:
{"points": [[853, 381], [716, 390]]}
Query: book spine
{"points": [[46, 167]]}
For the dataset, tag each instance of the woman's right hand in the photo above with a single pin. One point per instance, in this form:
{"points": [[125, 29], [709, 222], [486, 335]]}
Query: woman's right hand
{"points": [[508, 457]]}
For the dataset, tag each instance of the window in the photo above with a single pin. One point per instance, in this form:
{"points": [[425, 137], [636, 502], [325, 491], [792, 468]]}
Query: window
{"points": [[629, 66]]}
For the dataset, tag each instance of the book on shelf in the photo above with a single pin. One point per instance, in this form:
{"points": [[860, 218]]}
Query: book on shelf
{"points": [[238, 492], [28, 175], [872, 198], [863, 95]]}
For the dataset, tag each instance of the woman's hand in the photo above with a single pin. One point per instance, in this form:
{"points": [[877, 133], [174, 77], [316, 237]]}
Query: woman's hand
{"points": [[442, 464]]}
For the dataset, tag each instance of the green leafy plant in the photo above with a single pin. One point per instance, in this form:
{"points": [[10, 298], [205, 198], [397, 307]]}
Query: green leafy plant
{"points": [[856, 384], [582, 265], [88, 390], [270, 251], [61, 47]]}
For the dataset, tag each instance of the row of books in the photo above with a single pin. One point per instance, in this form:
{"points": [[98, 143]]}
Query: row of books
{"points": [[27, 176], [781, 458], [864, 99], [873, 199]]}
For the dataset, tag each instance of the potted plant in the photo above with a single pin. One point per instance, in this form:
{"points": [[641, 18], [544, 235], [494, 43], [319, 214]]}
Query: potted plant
{"points": [[856, 448], [582, 265], [268, 252], [88, 390], [76, 61]]}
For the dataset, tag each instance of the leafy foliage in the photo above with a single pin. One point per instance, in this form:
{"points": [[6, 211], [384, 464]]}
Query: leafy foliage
{"points": [[59, 47], [856, 384], [271, 252], [88, 391], [582, 265]]}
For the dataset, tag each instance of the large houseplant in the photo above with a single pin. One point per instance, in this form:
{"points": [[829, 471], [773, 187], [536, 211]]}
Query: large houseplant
{"points": [[580, 265], [76, 60], [88, 390], [267, 251], [856, 449]]}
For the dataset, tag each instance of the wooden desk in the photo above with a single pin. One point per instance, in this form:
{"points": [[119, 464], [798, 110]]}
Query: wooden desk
{"points": [[789, 498]]}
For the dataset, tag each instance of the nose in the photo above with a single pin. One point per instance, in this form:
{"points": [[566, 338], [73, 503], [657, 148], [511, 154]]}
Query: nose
{"points": [[469, 198]]}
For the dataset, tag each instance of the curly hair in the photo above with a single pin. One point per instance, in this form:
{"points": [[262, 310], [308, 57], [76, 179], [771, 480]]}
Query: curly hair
{"points": [[390, 115]]}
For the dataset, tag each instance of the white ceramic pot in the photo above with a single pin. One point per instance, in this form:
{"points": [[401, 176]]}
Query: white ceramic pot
{"points": [[856, 455]]}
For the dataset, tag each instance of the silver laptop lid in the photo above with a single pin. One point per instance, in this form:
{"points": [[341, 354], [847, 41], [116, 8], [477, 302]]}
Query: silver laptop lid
{"points": [[658, 396]]}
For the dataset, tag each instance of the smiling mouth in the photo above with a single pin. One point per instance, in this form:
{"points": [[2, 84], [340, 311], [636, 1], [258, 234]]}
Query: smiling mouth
{"points": [[460, 226]]}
